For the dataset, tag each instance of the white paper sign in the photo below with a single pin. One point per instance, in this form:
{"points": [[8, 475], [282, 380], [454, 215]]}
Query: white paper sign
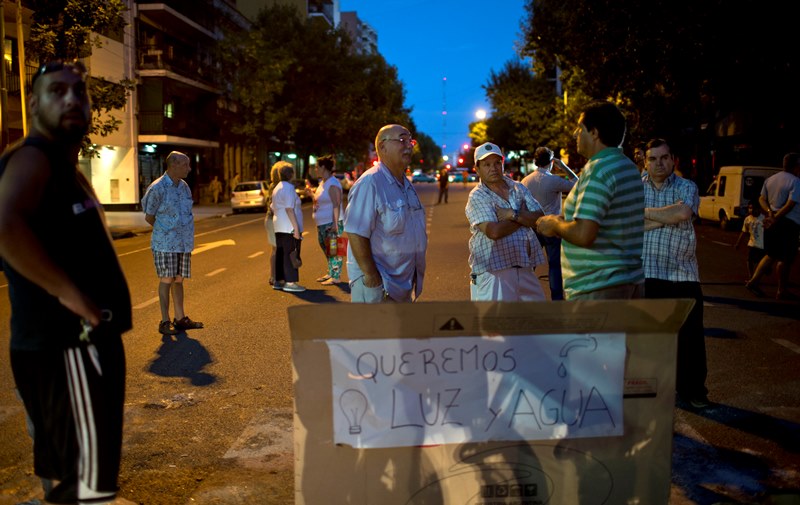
{"points": [[407, 392]]}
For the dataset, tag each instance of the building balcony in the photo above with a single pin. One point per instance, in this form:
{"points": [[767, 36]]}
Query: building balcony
{"points": [[172, 59], [154, 123]]}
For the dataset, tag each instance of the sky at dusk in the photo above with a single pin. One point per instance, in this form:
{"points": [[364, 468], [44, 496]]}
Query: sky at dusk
{"points": [[430, 40]]}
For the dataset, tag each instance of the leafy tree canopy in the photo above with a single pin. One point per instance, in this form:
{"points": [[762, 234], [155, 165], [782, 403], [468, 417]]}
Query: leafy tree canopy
{"points": [[67, 29]]}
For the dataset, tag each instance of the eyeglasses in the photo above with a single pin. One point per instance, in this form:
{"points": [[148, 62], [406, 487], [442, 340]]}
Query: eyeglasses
{"points": [[405, 142]]}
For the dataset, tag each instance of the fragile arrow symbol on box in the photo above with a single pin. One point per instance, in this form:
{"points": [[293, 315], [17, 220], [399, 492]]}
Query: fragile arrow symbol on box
{"points": [[212, 245]]}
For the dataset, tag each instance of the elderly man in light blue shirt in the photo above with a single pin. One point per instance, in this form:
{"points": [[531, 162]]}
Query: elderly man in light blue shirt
{"points": [[167, 206], [385, 224]]}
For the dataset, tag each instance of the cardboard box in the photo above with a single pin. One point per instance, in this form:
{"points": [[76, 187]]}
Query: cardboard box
{"points": [[630, 466]]}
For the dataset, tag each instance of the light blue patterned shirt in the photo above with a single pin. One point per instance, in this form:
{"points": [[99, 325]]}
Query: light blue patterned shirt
{"points": [[171, 204], [519, 249]]}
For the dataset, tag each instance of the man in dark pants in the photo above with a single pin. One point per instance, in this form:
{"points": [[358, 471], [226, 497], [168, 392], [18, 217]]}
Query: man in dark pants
{"points": [[70, 302], [670, 262]]}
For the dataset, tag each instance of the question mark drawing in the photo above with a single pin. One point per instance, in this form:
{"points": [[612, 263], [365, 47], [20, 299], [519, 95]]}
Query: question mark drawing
{"points": [[354, 405], [589, 343]]}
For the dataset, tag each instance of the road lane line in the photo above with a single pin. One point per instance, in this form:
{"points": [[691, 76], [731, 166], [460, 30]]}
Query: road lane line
{"points": [[789, 345], [215, 272], [720, 243], [196, 236], [256, 255], [146, 303]]}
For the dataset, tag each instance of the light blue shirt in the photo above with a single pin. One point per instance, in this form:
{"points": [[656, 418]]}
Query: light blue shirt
{"points": [[546, 188], [388, 213], [172, 204], [779, 189]]}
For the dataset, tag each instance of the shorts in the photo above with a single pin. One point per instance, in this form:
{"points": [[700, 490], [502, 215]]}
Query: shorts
{"points": [[170, 264], [506, 285], [75, 413]]}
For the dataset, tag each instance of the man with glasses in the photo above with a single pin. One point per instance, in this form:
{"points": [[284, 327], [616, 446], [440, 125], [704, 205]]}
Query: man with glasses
{"points": [[385, 225], [70, 302]]}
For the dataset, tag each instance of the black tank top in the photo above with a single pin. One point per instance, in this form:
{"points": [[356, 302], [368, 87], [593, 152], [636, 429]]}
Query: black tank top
{"points": [[69, 225]]}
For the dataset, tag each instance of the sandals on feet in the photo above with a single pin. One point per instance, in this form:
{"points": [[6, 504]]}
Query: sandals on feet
{"points": [[324, 278]]}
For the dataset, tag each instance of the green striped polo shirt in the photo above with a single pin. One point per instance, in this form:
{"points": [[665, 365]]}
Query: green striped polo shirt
{"points": [[609, 192]]}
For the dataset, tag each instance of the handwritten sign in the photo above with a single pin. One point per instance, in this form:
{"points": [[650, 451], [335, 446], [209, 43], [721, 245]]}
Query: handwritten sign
{"points": [[405, 392]]}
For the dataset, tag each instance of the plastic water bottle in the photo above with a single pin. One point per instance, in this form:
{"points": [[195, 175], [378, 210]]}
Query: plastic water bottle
{"points": [[332, 246]]}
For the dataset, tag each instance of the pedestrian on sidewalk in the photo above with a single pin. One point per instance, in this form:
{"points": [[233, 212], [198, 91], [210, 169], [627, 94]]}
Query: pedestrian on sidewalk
{"points": [[779, 198], [753, 228], [216, 189], [670, 262], [167, 206], [70, 302], [547, 188]]}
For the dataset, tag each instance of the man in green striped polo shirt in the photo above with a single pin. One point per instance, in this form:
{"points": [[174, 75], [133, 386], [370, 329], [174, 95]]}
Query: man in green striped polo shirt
{"points": [[603, 223]]}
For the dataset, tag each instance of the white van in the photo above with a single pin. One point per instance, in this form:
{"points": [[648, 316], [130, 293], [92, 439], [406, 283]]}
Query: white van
{"points": [[732, 190]]}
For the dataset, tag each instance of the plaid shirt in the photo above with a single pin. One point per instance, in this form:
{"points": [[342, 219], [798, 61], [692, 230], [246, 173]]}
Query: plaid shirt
{"points": [[520, 249], [669, 251]]}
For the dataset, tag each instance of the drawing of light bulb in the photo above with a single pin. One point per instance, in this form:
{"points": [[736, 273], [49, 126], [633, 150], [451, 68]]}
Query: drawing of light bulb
{"points": [[354, 405], [590, 343]]}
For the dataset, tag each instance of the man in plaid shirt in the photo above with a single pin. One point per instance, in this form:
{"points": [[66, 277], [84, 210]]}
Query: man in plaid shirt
{"points": [[503, 249], [670, 263]]}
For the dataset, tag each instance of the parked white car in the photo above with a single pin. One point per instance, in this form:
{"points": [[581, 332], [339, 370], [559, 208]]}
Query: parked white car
{"points": [[250, 195], [733, 189]]}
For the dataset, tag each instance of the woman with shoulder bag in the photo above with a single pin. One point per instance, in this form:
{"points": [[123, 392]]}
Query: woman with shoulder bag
{"points": [[288, 222], [274, 179]]}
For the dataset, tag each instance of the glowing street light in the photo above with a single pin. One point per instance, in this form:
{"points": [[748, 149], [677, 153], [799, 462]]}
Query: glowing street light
{"points": [[480, 114]]}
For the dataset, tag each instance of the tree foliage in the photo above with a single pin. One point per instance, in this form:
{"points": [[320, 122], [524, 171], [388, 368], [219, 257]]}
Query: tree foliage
{"points": [[297, 80], [67, 30], [677, 67]]}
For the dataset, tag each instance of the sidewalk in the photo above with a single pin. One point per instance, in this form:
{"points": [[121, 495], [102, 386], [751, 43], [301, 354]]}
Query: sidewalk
{"points": [[124, 224]]}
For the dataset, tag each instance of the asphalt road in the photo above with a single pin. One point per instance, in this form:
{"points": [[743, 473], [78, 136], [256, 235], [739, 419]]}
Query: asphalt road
{"points": [[209, 413]]}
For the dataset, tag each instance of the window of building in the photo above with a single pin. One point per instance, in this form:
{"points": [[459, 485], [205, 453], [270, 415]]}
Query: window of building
{"points": [[169, 110]]}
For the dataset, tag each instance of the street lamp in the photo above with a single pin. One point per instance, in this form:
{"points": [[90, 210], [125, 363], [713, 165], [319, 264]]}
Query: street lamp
{"points": [[480, 114]]}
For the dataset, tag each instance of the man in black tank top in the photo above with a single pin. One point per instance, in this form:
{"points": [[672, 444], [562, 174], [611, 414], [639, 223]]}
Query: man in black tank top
{"points": [[70, 302]]}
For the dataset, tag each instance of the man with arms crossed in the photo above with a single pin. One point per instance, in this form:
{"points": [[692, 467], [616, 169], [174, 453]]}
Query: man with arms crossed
{"points": [[385, 226], [603, 224], [670, 263], [503, 249], [70, 302]]}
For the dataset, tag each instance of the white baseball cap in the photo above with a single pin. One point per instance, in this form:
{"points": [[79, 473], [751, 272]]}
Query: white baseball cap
{"points": [[485, 150]]}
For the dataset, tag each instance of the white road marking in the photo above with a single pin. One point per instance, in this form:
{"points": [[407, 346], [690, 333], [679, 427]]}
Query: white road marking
{"points": [[146, 303], [789, 345], [211, 245], [198, 235], [215, 272], [720, 243], [256, 255]]}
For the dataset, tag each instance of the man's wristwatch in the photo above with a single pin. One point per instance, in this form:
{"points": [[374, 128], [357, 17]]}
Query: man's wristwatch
{"points": [[515, 217]]}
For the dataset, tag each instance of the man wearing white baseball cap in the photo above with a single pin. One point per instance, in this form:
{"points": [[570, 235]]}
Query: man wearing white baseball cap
{"points": [[503, 248]]}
